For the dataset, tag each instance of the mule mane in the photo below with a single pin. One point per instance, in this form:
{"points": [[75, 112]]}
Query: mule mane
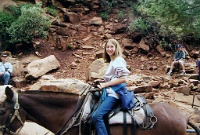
{"points": [[47, 97]]}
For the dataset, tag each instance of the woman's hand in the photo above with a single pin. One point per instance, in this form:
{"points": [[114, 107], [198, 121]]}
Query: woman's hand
{"points": [[96, 83], [102, 85]]}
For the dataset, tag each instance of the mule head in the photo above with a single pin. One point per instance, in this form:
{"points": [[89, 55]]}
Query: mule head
{"points": [[11, 115]]}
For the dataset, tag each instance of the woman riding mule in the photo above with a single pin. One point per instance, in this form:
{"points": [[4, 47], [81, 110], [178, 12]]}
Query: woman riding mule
{"points": [[115, 76], [53, 110]]}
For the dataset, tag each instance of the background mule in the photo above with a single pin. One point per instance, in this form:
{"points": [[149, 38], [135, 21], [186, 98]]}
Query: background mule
{"points": [[52, 110]]}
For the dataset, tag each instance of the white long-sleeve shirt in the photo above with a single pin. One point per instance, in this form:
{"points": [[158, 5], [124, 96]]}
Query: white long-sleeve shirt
{"points": [[116, 69]]}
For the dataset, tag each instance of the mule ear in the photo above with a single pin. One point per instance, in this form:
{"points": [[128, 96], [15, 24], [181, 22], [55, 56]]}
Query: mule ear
{"points": [[9, 93]]}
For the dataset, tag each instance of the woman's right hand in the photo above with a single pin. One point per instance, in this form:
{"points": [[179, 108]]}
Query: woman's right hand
{"points": [[96, 83], [102, 85]]}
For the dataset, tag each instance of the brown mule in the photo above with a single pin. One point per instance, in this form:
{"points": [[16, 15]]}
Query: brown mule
{"points": [[52, 110]]}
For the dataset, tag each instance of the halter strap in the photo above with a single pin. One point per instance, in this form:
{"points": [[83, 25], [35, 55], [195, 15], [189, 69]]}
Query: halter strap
{"points": [[14, 114]]}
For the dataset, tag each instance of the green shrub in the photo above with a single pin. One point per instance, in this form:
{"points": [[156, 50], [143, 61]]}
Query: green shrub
{"points": [[32, 23], [6, 20], [138, 25], [165, 44], [108, 5], [52, 11], [120, 14], [180, 16], [104, 15], [134, 8], [69, 46], [14, 10]]}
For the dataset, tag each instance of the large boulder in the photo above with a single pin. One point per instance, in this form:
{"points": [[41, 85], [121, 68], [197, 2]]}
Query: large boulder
{"points": [[97, 69], [69, 85], [40, 67]]}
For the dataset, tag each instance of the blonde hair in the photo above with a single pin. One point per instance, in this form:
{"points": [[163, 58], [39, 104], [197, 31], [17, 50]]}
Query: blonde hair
{"points": [[118, 50]]}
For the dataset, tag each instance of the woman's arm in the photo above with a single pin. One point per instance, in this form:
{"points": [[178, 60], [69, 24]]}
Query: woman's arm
{"points": [[112, 83]]}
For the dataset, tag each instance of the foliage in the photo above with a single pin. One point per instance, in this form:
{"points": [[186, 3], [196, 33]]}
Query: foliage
{"points": [[120, 14], [7, 17], [52, 11], [15, 11], [69, 46], [32, 23], [165, 44], [107, 5], [138, 25], [134, 8], [128, 2], [6, 20], [104, 15], [179, 16]]}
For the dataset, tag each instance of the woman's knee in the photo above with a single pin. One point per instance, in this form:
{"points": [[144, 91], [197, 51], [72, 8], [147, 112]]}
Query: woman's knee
{"points": [[94, 117]]}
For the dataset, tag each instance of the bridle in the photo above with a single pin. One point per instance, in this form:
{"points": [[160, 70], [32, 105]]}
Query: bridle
{"points": [[14, 114]]}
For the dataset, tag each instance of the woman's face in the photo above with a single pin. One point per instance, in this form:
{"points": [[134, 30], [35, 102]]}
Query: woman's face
{"points": [[110, 49]]}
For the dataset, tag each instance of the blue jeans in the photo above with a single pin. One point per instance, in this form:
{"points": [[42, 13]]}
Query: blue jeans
{"points": [[5, 78], [97, 118]]}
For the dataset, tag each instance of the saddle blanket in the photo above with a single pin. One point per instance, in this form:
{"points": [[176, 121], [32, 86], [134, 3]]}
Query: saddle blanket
{"points": [[138, 115]]}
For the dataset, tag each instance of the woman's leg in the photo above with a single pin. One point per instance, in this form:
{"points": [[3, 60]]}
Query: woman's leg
{"points": [[102, 110]]}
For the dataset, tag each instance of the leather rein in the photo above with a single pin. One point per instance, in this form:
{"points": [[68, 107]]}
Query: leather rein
{"points": [[14, 114], [79, 111]]}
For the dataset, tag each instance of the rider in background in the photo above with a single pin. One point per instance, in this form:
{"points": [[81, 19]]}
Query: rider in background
{"points": [[116, 73], [179, 58], [5, 69]]}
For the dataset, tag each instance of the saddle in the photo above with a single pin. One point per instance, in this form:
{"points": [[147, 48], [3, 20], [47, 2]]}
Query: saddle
{"points": [[139, 113], [87, 104]]}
